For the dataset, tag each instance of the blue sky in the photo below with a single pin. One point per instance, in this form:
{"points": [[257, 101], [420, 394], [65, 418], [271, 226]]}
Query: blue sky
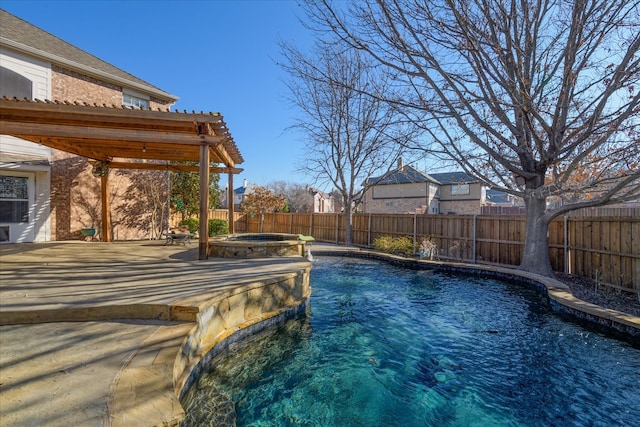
{"points": [[216, 56]]}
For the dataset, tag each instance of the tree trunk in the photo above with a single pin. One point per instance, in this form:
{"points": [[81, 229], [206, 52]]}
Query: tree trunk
{"points": [[536, 245], [348, 235]]}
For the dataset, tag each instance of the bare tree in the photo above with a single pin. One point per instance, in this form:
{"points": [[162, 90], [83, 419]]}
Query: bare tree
{"points": [[526, 95], [298, 196], [350, 135]]}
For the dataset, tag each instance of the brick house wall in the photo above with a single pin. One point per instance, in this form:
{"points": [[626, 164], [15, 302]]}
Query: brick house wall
{"points": [[392, 206], [75, 192], [67, 85], [400, 198], [461, 207], [463, 204]]}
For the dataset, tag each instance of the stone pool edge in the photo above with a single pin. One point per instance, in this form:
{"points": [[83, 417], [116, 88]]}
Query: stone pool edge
{"points": [[559, 294], [148, 391]]}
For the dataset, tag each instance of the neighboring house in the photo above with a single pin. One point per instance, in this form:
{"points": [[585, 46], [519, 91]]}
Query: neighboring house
{"points": [[322, 202], [404, 190], [407, 190], [338, 204], [46, 194], [238, 195], [501, 203], [460, 194]]}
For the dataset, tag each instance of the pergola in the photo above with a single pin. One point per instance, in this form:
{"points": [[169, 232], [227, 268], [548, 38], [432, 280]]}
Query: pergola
{"points": [[126, 138]]}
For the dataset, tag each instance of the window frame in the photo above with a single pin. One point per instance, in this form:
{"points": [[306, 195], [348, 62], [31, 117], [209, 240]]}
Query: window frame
{"points": [[19, 200], [460, 189], [135, 99]]}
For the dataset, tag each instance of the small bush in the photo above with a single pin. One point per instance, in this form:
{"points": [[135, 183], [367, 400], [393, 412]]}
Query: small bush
{"points": [[191, 223], [428, 249], [217, 227], [395, 245]]}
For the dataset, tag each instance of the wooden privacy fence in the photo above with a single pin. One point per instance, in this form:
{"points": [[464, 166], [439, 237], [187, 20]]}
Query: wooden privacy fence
{"points": [[606, 249]]}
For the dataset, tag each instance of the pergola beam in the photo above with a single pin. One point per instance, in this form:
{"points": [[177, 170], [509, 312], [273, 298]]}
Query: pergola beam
{"points": [[131, 137], [170, 167]]}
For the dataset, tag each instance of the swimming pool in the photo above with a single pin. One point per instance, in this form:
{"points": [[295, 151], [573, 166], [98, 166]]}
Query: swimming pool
{"points": [[385, 346]]}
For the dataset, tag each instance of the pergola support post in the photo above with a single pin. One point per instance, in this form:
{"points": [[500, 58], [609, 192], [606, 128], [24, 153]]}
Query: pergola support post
{"points": [[230, 196], [106, 208], [203, 232]]}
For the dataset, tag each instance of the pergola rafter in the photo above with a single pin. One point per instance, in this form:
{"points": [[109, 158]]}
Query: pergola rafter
{"points": [[130, 139]]}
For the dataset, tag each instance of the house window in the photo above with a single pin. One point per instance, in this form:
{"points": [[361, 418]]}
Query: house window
{"points": [[13, 84], [14, 199], [129, 100], [459, 189]]}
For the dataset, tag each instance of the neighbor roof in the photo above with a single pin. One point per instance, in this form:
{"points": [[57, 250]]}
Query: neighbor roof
{"points": [[250, 188], [19, 35], [404, 175], [497, 196], [322, 194], [453, 178]]}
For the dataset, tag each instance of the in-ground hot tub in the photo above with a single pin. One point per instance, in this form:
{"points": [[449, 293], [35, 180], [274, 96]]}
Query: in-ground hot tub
{"points": [[257, 245]]}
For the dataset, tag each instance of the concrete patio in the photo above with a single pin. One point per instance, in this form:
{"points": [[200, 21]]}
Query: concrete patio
{"points": [[75, 314]]}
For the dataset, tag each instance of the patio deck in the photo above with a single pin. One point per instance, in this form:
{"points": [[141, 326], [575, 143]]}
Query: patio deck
{"points": [[56, 372]]}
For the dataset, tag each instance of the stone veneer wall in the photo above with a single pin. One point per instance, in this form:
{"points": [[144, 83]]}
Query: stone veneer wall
{"points": [[257, 249], [243, 307], [74, 201]]}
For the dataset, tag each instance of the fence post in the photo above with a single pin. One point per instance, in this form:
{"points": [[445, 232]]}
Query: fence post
{"points": [[415, 228], [337, 226], [369, 231], [475, 221], [311, 224], [290, 223], [566, 244]]}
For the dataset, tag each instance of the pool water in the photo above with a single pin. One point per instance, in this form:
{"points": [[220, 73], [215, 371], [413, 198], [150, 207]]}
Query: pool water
{"points": [[384, 346]]}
